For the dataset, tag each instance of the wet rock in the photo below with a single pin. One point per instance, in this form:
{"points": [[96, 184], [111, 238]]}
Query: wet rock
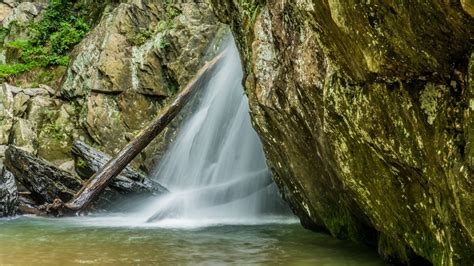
{"points": [[364, 122], [90, 160], [47, 182], [138, 54], [27, 91], [103, 121], [8, 193], [22, 13], [43, 180], [19, 103]]}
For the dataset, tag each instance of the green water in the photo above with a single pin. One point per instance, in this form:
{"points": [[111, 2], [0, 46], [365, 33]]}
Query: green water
{"points": [[103, 240]]}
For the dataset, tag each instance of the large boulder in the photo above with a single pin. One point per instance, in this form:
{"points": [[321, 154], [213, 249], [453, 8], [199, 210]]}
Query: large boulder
{"points": [[8, 193], [151, 47], [47, 182], [365, 114], [89, 161]]}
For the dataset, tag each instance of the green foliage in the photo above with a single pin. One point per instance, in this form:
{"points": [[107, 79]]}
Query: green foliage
{"points": [[3, 34], [53, 37], [140, 37], [12, 69], [80, 163], [171, 10], [53, 130], [164, 43], [165, 25]]}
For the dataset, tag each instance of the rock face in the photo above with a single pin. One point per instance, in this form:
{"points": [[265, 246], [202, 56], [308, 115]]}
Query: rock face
{"points": [[8, 193], [139, 53], [120, 75], [366, 115]]}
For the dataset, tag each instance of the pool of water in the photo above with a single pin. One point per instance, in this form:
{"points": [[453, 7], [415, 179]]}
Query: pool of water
{"points": [[125, 240]]}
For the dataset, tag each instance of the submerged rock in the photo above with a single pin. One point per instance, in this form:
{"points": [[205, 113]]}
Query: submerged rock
{"points": [[365, 113], [8, 193]]}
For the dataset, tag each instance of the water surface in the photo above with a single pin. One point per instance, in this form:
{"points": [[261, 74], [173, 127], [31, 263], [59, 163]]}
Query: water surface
{"points": [[109, 240]]}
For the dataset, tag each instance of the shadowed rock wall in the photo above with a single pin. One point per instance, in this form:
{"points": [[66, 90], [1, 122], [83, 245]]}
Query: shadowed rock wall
{"points": [[366, 110]]}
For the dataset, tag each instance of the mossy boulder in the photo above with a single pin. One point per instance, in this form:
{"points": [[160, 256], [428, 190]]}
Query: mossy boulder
{"points": [[364, 110]]}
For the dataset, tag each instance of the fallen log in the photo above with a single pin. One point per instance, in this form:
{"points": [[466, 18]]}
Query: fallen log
{"points": [[84, 198]]}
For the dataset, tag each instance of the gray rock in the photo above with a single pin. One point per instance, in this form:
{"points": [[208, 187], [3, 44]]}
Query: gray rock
{"points": [[42, 90], [45, 181], [90, 160], [8, 193]]}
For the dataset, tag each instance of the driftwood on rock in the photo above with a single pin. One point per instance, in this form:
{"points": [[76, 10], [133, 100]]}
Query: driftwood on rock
{"points": [[96, 184], [89, 161], [50, 186]]}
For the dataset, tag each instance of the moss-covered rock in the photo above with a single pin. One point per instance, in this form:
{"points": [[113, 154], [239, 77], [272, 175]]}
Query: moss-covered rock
{"points": [[363, 110]]}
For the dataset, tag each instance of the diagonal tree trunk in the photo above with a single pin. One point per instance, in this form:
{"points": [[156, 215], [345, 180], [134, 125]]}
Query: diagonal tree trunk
{"points": [[96, 184]]}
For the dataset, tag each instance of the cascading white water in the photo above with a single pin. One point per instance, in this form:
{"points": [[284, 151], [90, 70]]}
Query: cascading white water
{"points": [[216, 167]]}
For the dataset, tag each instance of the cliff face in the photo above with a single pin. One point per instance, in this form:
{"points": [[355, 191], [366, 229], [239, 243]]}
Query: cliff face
{"points": [[135, 55], [366, 111]]}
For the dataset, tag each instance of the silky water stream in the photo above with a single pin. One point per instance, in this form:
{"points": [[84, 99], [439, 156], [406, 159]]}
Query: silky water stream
{"points": [[223, 207]]}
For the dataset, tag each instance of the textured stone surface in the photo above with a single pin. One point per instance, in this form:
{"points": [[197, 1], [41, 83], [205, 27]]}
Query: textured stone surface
{"points": [[90, 160], [8, 193], [365, 112], [6, 114], [43, 180], [141, 46], [47, 182], [138, 54], [20, 12]]}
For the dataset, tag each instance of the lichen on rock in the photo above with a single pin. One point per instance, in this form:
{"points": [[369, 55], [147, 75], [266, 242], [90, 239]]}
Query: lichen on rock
{"points": [[363, 110]]}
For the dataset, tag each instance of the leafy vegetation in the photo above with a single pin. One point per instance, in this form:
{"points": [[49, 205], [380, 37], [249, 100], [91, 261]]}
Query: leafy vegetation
{"points": [[140, 37], [53, 37], [3, 34], [53, 130], [80, 163]]}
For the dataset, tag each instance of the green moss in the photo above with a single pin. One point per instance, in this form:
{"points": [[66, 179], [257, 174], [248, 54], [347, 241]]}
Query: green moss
{"points": [[80, 163], [3, 34], [140, 37], [171, 10], [53, 37], [250, 9], [341, 224]]}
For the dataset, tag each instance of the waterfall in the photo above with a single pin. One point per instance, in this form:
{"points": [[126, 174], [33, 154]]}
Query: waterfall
{"points": [[216, 167]]}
